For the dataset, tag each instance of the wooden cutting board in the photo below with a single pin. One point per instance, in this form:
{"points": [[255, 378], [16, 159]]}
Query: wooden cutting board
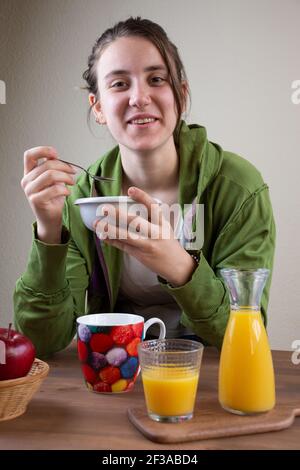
{"points": [[211, 421]]}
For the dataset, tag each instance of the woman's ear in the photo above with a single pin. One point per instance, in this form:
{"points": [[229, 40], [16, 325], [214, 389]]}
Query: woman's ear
{"points": [[96, 107]]}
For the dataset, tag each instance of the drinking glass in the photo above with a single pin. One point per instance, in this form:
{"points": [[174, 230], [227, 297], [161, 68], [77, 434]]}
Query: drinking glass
{"points": [[170, 373]]}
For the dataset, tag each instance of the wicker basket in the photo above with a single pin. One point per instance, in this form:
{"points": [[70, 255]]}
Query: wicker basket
{"points": [[15, 394]]}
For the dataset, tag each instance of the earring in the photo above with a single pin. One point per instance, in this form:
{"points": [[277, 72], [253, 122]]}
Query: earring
{"points": [[99, 120]]}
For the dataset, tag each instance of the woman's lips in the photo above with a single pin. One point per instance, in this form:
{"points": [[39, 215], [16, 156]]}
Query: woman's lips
{"points": [[146, 124]]}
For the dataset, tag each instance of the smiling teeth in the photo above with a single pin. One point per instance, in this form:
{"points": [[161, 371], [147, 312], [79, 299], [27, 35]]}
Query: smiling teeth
{"points": [[142, 121]]}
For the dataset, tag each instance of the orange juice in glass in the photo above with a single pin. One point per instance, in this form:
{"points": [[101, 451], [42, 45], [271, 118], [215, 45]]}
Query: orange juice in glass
{"points": [[170, 372], [246, 375]]}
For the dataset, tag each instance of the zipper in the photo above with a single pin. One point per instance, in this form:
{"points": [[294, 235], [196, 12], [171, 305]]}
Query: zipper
{"points": [[101, 257], [104, 268]]}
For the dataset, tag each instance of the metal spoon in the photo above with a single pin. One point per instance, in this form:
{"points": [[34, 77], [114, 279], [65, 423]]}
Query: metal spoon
{"points": [[95, 177]]}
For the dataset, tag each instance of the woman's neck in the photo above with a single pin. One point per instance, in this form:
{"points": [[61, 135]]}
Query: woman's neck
{"points": [[153, 172]]}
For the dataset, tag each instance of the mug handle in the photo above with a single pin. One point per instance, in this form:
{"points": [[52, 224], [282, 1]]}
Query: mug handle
{"points": [[162, 327], [162, 331]]}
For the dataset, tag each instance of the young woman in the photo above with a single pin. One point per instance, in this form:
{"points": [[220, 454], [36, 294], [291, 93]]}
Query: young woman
{"points": [[138, 89]]}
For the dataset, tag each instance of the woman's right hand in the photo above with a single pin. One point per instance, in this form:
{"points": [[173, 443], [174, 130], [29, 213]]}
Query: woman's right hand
{"points": [[44, 187]]}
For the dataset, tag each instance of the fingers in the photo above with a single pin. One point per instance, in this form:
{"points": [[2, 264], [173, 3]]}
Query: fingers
{"points": [[52, 164], [46, 179], [126, 223], [50, 172], [106, 230], [44, 184], [119, 237], [47, 194], [33, 155], [152, 205], [116, 219], [141, 196]]}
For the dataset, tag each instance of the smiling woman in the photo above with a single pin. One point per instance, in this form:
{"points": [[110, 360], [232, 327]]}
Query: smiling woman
{"points": [[140, 95], [138, 88]]}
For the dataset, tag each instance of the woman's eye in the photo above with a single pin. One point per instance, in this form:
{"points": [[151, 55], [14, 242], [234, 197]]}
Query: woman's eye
{"points": [[119, 84], [122, 84], [158, 79]]}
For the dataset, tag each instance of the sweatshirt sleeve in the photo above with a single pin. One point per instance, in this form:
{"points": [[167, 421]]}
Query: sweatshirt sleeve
{"points": [[51, 294], [247, 241]]}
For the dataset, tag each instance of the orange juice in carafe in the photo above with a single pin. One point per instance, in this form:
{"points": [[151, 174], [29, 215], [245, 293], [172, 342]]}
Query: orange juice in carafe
{"points": [[246, 375]]}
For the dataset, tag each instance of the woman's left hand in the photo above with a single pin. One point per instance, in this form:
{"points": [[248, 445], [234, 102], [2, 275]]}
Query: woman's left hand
{"points": [[152, 241]]}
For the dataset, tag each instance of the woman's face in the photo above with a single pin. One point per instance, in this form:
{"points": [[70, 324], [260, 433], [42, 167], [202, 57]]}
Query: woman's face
{"points": [[133, 84]]}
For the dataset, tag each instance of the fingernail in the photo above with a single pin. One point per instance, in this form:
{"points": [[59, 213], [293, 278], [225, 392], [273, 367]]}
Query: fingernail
{"points": [[104, 211], [131, 191]]}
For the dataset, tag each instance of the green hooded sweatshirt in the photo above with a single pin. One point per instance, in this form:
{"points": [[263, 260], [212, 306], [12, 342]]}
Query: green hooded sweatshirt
{"points": [[239, 231]]}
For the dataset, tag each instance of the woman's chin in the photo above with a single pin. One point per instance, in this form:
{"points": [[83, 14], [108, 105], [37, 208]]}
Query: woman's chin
{"points": [[136, 146], [142, 149]]}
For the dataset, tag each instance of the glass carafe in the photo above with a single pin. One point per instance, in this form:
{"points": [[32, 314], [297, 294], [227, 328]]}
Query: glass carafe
{"points": [[246, 374]]}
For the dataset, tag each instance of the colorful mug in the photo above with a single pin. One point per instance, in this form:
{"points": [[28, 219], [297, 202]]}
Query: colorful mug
{"points": [[107, 349]]}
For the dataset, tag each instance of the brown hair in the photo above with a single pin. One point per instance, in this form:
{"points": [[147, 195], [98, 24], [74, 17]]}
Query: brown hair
{"points": [[155, 34]]}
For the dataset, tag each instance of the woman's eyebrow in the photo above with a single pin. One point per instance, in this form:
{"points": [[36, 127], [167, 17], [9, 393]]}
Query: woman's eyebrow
{"points": [[151, 68]]}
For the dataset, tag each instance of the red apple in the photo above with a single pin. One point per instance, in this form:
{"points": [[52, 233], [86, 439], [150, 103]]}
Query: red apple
{"points": [[17, 354]]}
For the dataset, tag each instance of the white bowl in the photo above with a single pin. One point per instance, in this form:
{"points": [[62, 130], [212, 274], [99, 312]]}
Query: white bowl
{"points": [[89, 206]]}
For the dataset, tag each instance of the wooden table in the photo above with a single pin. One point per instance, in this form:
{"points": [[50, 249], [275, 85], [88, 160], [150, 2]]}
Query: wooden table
{"points": [[65, 415]]}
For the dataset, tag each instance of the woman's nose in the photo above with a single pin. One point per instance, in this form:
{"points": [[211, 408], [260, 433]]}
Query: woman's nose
{"points": [[140, 97]]}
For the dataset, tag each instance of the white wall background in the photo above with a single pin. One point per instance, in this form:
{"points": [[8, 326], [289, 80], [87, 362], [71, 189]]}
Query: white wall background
{"points": [[241, 58]]}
